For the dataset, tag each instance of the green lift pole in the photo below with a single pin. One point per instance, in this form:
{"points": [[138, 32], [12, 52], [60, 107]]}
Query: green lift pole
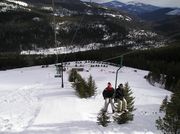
{"points": [[118, 70], [62, 81]]}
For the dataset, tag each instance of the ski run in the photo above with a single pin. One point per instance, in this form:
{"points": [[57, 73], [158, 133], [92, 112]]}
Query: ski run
{"points": [[33, 102]]}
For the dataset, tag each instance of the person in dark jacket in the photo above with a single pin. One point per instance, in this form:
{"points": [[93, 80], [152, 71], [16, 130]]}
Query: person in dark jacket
{"points": [[108, 96], [120, 99]]}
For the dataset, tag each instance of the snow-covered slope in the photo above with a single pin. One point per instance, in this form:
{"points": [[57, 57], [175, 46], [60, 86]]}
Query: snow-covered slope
{"points": [[174, 12], [18, 2], [33, 102], [7, 5]]}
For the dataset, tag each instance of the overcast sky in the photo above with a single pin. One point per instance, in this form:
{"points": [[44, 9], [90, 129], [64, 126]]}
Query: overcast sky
{"points": [[162, 3]]}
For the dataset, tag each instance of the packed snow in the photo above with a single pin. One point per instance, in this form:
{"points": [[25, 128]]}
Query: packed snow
{"points": [[33, 102]]}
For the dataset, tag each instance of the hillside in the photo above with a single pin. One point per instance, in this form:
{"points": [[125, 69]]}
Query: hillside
{"points": [[34, 102], [165, 21], [30, 26], [132, 7]]}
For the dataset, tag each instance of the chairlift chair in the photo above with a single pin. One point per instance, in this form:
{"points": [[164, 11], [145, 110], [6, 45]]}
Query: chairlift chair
{"points": [[58, 71]]}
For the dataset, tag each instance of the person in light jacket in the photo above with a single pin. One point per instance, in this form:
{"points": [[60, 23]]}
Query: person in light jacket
{"points": [[120, 99]]}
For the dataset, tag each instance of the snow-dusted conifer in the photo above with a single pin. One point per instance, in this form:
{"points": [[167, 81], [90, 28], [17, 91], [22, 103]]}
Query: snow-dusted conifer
{"points": [[72, 75], [84, 88], [91, 86], [170, 123], [103, 119]]}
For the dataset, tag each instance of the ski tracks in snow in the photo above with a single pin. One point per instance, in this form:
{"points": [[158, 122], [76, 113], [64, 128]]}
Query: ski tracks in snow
{"points": [[19, 108]]}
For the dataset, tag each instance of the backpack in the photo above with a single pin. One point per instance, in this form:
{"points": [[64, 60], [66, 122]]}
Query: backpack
{"points": [[119, 93]]}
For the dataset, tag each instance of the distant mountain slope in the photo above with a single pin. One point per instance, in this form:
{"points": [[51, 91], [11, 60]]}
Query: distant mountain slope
{"points": [[131, 7], [157, 14], [50, 1], [164, 22], [77, 24], [174, 12]]}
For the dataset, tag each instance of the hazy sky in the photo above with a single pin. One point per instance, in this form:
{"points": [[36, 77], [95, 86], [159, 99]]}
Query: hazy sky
{"points": [[163, 3]]}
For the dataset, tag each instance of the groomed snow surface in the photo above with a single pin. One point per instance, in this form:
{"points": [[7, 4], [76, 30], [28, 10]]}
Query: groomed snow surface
{"points": [[33, 102]]}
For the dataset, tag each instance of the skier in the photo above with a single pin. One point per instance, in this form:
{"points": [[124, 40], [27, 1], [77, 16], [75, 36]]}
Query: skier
{"points": [[120, 99], [108, 96]]}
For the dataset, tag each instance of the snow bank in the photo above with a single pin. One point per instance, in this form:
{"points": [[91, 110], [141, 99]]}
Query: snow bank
{"points": [[18, 109]]}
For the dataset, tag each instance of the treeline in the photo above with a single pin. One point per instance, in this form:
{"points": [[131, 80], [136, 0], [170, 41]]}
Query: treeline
{"points": [[170, 107], [24, 30], [161, 61], [164, 64], [33, 30], [84, 89], [14, 60]]}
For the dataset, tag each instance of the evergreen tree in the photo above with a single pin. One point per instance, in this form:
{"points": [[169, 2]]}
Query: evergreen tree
{"points": [[128, 116], [91, 86], [155, 76], [170, 123], [103, 119], [164, 104], [80, 86], [72, 75], [83, 88], [177, 88], [129, 98], [122, 118]]}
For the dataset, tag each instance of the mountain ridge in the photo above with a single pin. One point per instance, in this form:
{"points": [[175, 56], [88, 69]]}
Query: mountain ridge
{"points": [[131, 7], [164, 21], [92, 23]]}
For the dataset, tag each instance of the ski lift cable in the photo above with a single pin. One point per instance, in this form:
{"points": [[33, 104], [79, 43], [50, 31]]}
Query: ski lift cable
{"points": [[108, 59], [70, 42], [54, 26], [119, 56], [55, 42], [75, 34], [116, 57]]}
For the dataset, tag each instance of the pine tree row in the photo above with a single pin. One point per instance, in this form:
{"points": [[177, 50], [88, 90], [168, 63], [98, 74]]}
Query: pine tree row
{"points": [[83, 88], [170, 123]]}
